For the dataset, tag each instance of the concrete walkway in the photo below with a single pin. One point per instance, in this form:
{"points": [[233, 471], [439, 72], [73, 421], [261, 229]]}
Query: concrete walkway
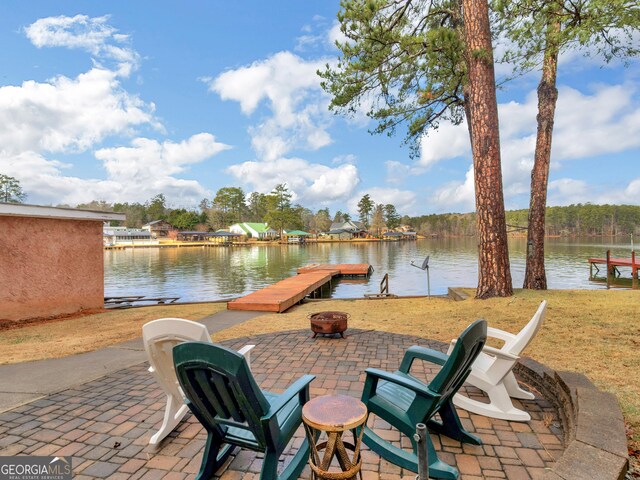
{"points": [[24, 382]]}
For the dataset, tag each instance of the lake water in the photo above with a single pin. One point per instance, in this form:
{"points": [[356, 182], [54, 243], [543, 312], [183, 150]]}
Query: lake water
{"points": [[215, 273]]}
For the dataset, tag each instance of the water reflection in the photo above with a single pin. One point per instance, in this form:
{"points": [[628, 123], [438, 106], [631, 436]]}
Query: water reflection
{"points": [[199, 273]]}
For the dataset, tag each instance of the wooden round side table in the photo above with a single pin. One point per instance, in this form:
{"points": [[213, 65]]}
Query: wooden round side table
{"points": [[334, 415]]}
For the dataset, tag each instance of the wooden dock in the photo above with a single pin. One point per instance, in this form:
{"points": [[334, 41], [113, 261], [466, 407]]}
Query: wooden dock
{"points": [[284, 294], [358, 269], [612, 264]]}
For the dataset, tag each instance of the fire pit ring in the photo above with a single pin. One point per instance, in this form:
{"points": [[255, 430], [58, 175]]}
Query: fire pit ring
{"points": [[328, 323]]}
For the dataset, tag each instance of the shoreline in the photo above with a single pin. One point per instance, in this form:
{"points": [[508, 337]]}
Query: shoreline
{"points": [[247, 244], [317, 241]]}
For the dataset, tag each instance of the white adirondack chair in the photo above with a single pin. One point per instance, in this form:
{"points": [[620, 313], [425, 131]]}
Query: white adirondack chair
{"points": [[492, 373], [159, 338]]}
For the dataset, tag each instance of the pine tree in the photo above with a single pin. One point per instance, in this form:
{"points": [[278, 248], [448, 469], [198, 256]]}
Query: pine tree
{"points": [[391, 216], [494, 276], [544, 29], [10, 190], [365, 208], [280, 212], [414, 63]]}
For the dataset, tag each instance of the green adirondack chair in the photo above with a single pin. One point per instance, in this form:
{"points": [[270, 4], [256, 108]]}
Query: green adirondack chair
{"points": [[404, 401], [223, 395]]}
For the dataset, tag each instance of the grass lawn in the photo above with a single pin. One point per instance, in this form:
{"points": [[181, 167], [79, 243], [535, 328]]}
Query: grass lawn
{"points": [[68, 336]]}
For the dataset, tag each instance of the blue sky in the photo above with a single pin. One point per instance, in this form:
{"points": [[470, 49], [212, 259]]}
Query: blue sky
{"points": [[119, 101]]}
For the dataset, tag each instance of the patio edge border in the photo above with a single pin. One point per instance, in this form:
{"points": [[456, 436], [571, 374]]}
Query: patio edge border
{"points": [[594, 430]]}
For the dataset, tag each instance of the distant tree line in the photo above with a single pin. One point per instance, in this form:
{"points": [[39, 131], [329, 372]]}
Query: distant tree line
{"points": [[232, 205], [573, 220]]}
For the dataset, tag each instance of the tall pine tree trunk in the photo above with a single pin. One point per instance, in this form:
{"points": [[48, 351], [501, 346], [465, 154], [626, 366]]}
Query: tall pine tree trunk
{"points": [[494, 276], [535, 276]]}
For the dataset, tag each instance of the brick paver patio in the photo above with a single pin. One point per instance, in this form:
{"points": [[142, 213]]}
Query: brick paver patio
{"points": [[106, 424]]}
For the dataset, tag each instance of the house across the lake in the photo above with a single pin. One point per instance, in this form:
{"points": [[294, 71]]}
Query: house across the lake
{"points": [[346, 230], [126, 236], [221, 237], [226, 238], [194, 236], [395, 235], [295, 236], [158, 228], [391, 235], [261, 231]]}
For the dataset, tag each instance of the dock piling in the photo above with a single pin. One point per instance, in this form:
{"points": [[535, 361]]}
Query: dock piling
{"points": [[613, 266]]}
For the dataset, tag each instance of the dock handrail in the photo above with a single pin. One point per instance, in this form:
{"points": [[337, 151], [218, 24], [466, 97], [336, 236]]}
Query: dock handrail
{"points": [[384, 284]]}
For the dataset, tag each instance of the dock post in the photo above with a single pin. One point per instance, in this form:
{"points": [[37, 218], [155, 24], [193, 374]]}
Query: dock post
{"points": [[609, 271], [634, 270]]}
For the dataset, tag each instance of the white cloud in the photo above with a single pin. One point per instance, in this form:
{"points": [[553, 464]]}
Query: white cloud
{"points": [[297, 118], [455, 196], [567, 191], [307, 41], [583, 57], [588, 125], [93, 35], [334, 34], [310, 183], [320, 34], [397, 172], [45, 182], [148, 166], [291, 91], [603, 122], [90, 34], [66, 114], [134, 173], [500, 47], [571, 60], [147, 160], [348, 158], [67, 117], [333, 184], [448, 141], [403, 200], [26, 166], [632, 191]]}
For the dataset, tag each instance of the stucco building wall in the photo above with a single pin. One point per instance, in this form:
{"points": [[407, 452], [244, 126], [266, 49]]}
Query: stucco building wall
{"points": [[49, 266]]}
